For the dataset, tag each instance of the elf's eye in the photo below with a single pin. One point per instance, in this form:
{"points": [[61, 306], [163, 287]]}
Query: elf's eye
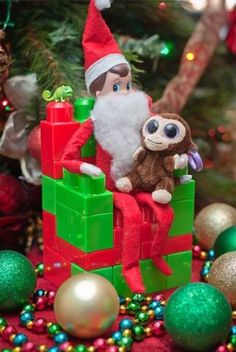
{"points": [[171, 130], [129, 86], [116, 87], [152, 126]]}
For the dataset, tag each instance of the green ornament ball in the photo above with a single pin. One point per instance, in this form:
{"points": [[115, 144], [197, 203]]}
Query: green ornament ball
{"points": [[226, 241], [197, 317], [17, 280]]}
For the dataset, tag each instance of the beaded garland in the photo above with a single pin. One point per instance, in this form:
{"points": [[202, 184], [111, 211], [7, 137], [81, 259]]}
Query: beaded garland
{"points": [[146, 320]]}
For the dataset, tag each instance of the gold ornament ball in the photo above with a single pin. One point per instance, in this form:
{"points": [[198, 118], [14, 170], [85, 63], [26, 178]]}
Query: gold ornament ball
{"points": [[86, 305], [223, 275], [211, 221]]}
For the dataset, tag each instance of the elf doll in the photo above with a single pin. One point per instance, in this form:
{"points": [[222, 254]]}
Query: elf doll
{"points": [[116, 120]]}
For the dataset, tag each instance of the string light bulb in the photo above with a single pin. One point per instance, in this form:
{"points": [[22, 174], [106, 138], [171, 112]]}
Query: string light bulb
{"points": [[190, 56]]}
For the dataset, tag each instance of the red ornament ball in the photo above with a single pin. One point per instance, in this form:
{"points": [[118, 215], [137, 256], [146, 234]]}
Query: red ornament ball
{"points": [[162, 5], [34, 143], [12, 195]]}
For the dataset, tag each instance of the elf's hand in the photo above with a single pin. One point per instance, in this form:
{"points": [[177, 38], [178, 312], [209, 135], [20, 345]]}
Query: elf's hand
{"points": [[90, 170], [180, 161]]}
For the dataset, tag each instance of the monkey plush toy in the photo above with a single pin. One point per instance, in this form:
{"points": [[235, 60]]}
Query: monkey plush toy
{"points": [[166, 140]]}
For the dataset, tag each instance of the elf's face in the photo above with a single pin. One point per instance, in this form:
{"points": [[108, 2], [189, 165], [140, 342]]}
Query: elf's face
{"points": [[115, 84]]}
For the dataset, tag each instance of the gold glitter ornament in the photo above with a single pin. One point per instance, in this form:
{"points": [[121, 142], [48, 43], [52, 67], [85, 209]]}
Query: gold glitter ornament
{"points": [[223, 275], [211, 221]]}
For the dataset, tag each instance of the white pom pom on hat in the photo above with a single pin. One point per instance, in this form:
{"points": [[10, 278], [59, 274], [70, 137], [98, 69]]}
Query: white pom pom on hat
{"points": [[102, 4]]}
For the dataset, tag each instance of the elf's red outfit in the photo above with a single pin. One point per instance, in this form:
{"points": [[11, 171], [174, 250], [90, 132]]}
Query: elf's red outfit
{"points": [[129, 207]]}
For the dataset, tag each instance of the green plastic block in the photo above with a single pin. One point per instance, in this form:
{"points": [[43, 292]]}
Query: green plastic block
{"points": [[82, 108], [86, 204], [89, 149], [83, 183], [153, 279], [105, 272], [88, 233], [119, 282], [184, 191], [183, 221], [181, 264], [49, 194], [180, 172]]}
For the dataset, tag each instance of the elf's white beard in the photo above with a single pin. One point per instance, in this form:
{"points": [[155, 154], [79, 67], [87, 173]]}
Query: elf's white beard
{"points": [[118, 119]]}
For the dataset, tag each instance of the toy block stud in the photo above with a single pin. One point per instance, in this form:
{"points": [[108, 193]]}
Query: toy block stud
{"points": [[82, 107], [59, 110], [85, 184]]}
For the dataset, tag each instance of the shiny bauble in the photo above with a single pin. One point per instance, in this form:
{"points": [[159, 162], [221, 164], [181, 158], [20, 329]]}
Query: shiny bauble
{"points": [[226, 241], [34, 143], [223, 276], [211, 221], [17, 280], [86, 305], [197, 317]]}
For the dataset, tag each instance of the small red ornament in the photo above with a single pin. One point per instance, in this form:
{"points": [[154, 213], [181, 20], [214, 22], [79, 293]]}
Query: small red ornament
{"points": [[196, 251], [162, 5], [34, 143], [39, 325], [158, 328], [7, 332], [11, 194], [29, 347]]}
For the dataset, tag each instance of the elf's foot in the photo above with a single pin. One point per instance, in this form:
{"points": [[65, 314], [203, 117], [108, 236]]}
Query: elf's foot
{"points": [[161, 196], [123, 184], [134, 280], [161, 264]]}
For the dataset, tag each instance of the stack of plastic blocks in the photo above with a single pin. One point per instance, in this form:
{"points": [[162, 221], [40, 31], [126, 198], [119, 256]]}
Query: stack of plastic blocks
{"points": [[82, 232]]}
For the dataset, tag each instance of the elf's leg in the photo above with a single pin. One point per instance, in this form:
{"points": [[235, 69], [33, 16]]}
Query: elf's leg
{"points": [[164, 216], [131, 240]]}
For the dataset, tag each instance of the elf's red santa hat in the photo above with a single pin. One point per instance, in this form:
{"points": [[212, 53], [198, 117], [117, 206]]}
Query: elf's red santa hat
{"points": [[101, 52]]}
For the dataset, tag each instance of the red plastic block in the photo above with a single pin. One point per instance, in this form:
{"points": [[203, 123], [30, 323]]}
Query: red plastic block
{"points": [[59, 112], [49, 230], [173, 245], [92, 260], [56, 268], [52, 169], [55, 137], [145, 233]]}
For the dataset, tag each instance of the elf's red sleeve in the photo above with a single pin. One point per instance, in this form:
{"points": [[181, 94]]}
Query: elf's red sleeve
{"points": [[71, 156]]}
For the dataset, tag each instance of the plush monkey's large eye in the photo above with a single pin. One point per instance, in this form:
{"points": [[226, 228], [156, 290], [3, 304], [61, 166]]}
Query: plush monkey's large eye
{"points": [[171, 130], [152, 126]]}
